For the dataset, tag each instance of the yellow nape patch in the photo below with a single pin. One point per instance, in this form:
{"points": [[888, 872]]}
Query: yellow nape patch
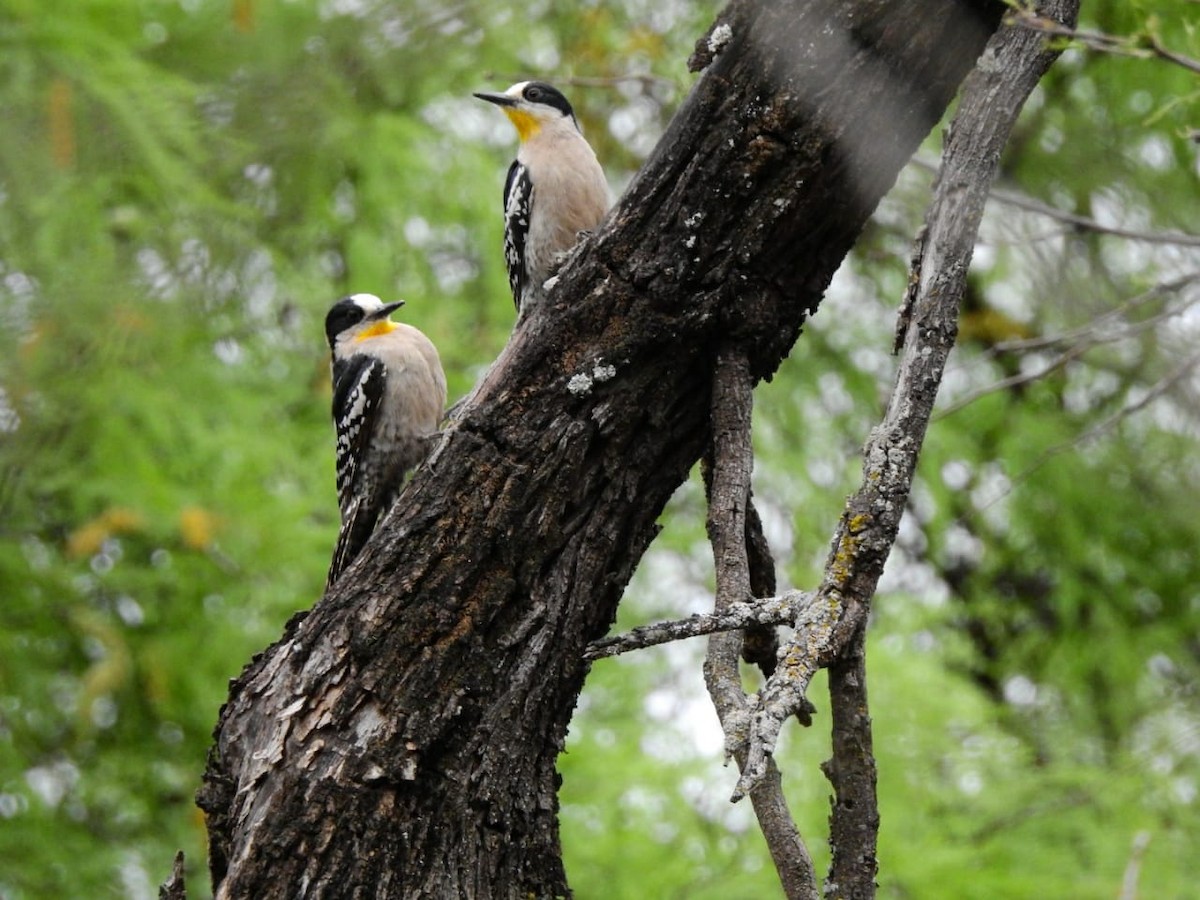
{"points": [[527, 125], [383, 326]]}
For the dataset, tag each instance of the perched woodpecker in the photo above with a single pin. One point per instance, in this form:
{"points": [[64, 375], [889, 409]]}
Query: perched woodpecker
{"points": [[555, 187], [389, 392]]}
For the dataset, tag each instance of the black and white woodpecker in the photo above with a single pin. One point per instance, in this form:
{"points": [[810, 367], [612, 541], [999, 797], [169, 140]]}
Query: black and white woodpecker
{"points": [[389, 392], [555, 187]]}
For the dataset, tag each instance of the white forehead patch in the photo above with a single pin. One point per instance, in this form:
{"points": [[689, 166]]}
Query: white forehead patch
{"points": [[516, 89], [366, 302]]}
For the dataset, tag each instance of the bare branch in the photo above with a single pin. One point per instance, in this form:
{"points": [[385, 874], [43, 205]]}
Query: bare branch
{"points": [[1081, 223], [1086, 223], [729, 488], [781, 610], [729, 495], [1133, 868], [1078, 341], [854, 819], [1009, 69], [1180, 372], [1092, 332], [1069, 355]]}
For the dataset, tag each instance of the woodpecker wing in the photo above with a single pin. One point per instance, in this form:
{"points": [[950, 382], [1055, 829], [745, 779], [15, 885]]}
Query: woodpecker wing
{"points": [[358, 393], [518, 203], [358, 386]]}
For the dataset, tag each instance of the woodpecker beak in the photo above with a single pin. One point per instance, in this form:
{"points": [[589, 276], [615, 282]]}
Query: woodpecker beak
{"points": [[384, 311], [498, 99]]}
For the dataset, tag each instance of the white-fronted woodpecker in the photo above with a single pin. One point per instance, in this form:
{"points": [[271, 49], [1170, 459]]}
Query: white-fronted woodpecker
{"points": [[389, 392], [555, 187]]}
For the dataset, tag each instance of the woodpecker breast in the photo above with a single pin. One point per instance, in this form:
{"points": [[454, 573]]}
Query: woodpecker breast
{"points": [[568, 195]]}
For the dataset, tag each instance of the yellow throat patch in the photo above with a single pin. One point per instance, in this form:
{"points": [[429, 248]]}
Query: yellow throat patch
{"points": [[383, 326], [527, 125]]}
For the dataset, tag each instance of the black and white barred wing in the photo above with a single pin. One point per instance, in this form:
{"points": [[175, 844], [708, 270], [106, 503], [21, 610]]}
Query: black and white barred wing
{"points": [[518, 201], [358, 393]]}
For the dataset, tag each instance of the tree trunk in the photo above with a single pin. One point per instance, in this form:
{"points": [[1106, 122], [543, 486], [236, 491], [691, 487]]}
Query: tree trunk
{"points": [[400, 740]]}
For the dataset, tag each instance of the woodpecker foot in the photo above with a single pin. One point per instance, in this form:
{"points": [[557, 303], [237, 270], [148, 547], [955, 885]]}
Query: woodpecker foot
{"points": [[561, 259]]}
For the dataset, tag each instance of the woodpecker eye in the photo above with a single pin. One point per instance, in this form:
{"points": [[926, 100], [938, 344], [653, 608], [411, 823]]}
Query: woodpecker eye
{"points": [[343, 315]]}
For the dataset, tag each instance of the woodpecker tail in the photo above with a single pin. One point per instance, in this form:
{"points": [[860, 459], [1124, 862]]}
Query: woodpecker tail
{"points": [[358, 523]]}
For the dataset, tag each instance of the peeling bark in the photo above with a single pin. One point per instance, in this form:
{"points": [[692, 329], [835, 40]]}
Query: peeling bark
{"points": [[400, 739]]}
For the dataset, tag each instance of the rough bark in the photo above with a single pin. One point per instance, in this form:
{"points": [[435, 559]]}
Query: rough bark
{"points": [[854, 821], [400, 740]]}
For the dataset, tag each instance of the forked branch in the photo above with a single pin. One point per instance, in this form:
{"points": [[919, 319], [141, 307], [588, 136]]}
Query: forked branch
{"points": [[1009, 69]]}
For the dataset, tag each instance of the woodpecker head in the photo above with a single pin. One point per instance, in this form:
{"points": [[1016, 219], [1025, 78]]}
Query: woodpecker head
{"points": [[358, 317], [532, 106]]}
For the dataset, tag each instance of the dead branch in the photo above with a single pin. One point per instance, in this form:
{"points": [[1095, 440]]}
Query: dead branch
{"points": [[1018, 200], [732, 461], [1161, 387], [1101, 330], [1009, 69], [738, 616], [854, 817]]}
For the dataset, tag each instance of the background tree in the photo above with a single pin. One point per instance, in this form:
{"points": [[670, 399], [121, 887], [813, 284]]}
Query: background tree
{"points": [[186, 188]]}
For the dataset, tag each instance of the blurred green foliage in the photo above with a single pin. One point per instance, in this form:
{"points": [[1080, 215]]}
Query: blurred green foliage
{"points": [[185, 187]]}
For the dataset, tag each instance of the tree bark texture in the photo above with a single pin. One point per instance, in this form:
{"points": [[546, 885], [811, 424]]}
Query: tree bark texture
{"points": [[854, 819], [400, 740]]}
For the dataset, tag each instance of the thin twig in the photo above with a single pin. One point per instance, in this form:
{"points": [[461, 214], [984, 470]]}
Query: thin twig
{"points": [[1133, 868], [1159, 388], [1086, 223], [1076, 342], [1076, 221], [781, 610], [1183, 370], [1067, 356], [1140, 46], [1089, 331]]}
